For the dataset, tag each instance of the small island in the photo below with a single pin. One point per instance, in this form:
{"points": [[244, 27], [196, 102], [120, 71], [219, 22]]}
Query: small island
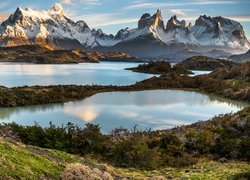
{"points": [[204, 63], [159, 67]]}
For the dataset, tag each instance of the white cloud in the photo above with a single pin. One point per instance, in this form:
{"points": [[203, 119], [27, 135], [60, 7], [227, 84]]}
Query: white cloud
{"points": [[242, 18], [175, 11]]}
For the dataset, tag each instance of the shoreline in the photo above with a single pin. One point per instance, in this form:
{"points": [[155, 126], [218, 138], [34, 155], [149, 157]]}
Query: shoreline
{"points": [[106, 89]]}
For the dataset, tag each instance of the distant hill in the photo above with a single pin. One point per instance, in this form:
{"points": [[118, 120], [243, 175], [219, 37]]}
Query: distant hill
{"points": [[241, 71], [241, 57], [37, 54], [46, 55], [205, 63]]}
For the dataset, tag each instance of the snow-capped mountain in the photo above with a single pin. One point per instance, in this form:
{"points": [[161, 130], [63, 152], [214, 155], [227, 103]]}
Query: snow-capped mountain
{"points": [[27, 26], [178, 40], [153, 37], [207, 31], [104, 39]]}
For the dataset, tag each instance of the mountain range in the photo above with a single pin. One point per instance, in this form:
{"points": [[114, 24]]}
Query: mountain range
{"points": [[153, 38]]}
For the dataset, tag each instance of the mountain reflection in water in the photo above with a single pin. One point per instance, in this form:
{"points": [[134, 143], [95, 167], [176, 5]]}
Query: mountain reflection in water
{"points": [[155, 109]]}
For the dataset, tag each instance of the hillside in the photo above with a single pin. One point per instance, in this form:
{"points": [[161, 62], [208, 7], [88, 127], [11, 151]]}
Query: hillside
{"points": [[240, 57], [38, 54], [205, 63], [239, 72], [46, 55], [52, 164], [109, 56], [225, 137]]}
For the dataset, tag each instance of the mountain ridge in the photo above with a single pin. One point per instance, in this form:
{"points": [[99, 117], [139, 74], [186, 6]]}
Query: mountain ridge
{"points": [[53, 27]]}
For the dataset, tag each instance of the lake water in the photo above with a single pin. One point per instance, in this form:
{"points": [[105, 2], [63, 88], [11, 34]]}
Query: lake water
{"points": [[104, 73], [155, 109]]}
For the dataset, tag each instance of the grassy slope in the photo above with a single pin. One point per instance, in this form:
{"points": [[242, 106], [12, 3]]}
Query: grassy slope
{"points": [[18, 160]]}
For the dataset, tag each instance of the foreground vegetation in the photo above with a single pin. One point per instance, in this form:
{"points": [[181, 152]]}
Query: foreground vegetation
{"points": [[210, 149], [16, 163], [218, 148]]}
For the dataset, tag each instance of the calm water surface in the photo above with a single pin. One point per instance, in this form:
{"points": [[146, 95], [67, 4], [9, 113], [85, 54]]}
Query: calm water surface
{"points": [[155, 109], [104, 73]]}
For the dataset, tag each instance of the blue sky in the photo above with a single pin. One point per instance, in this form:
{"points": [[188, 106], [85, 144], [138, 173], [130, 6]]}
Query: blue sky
{"points": [[112, 15]]}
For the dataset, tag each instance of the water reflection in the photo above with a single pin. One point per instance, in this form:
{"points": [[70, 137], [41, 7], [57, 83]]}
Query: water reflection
{"points": [[104, 73], [158, 109], [86, 114]]}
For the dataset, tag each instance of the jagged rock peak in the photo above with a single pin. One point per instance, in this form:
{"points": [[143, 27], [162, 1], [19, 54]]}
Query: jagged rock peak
{"points": [[203, 20], [123, 33], [82, 24], [173, 23], [190, 25], [147, 20], [100, 34], [158, 20], [146, 16], [18, 13]]}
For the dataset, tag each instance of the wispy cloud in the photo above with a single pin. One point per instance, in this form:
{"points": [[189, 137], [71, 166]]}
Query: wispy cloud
{"points": [[105, 19], [242, 18], [89, 2], [161, 5], [236, 17], [212, 2], [3, 4]]}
